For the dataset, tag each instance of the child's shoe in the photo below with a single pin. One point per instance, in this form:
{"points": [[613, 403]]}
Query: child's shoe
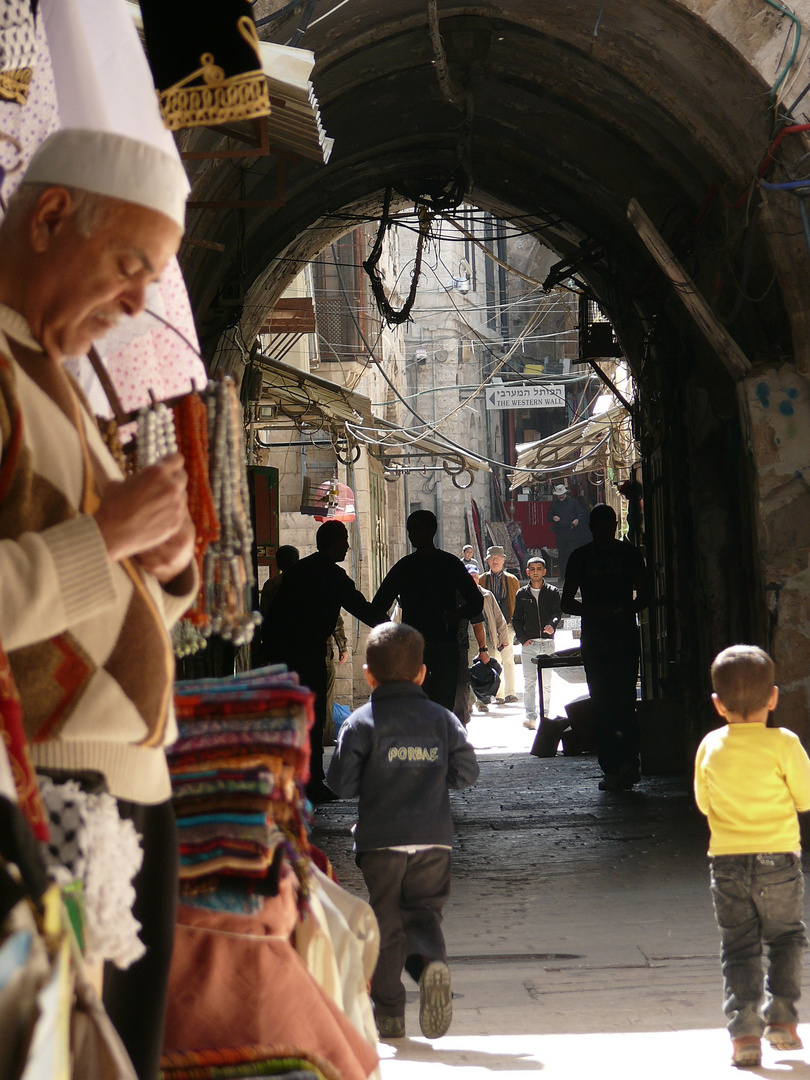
{"points": [[746, 1052], [390, 1027], [435, 1000], [783, 1037]]}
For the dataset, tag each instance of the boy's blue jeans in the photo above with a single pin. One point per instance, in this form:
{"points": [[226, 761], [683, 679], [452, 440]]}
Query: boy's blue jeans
{"points": [[759, 899]]}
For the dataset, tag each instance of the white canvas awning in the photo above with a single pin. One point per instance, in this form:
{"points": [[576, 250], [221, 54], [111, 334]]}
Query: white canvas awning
{"points": [[596, 443], [396, 446]]}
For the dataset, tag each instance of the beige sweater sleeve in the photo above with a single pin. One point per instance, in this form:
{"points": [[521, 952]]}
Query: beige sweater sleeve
{"points": [[52, 579]]}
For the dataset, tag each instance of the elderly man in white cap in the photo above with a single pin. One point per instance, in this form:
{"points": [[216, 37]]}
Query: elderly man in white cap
{"points": [[94, 568], [504, 587]]}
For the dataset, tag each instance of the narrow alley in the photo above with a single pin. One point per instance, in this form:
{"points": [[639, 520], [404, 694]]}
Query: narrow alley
{"points": [[574, 912]]}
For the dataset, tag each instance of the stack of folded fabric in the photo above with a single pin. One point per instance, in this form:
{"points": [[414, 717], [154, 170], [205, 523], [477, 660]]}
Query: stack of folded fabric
{"points": [[214, 1064], [242, 1001], [237, 770]]}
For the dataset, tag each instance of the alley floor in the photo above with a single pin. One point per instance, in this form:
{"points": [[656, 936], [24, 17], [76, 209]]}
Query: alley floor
{"points": [[580, 930]]}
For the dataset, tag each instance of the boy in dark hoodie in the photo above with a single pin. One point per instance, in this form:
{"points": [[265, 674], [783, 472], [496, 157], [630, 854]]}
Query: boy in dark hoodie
{"points": [[400, 753]]}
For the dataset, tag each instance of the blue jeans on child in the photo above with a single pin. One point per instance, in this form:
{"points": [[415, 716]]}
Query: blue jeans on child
{"points": [[759, 899]]}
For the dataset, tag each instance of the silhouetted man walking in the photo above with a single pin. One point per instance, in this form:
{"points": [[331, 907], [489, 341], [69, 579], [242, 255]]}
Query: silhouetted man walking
{"points": [[612, 581], [302, 616], [427, 584]]}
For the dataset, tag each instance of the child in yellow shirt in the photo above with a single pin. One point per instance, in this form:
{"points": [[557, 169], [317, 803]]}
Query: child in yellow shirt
{"points": [[750, 781]]}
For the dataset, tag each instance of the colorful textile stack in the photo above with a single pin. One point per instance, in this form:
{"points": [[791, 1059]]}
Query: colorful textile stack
{"points": [[253, 1060], [237, 769]]}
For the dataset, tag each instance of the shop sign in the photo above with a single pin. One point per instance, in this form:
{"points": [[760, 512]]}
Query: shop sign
{"points": [[512, 396]]}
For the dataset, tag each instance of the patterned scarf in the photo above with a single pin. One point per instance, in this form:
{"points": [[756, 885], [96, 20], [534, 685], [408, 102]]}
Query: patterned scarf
{"points": [[12, 734]]}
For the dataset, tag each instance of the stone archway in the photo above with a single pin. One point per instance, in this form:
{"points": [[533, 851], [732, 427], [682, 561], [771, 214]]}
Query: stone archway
{"points": [[555, 116]]}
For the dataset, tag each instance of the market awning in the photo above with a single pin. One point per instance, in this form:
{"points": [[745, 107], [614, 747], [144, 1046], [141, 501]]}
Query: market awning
{"points": [[294, 123], [305, 398], [599, 442], [403, 449]]}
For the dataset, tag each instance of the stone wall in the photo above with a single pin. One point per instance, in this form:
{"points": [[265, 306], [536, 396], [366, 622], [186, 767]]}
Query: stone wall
{"points": [[776, 403]]}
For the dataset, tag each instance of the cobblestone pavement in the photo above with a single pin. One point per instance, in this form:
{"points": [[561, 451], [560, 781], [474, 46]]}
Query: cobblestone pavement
{"points": [[580, 930]]}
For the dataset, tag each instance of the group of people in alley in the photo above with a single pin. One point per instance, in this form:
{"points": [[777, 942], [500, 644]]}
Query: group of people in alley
{"points": [[95, 567], [403, 751]]}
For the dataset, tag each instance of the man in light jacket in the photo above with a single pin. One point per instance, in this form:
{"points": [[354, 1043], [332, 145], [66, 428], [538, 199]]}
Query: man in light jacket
{"points": [[497, 629], [537, 613], [504, 587]]}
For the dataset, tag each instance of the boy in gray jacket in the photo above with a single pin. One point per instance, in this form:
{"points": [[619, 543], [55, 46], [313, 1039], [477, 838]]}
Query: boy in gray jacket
{"points": [[400, 753]]}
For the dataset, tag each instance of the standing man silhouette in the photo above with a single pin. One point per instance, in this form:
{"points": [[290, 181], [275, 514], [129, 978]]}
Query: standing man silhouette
{"points": [[427, 584], [611, 578], [301, 617], [565, 516]]}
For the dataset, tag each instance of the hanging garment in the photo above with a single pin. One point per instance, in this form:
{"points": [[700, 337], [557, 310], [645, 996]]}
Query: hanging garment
{"points": [[24, 127], [91, 843], [205, 60], [17, 759], [339, 941], [18, 48], [235, 984]]}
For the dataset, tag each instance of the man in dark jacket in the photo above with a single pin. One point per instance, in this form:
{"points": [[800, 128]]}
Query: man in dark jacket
{"points": [[428, 584], [565, 516], [301, 617], [400, 753], [537, 613], [611, 579]]}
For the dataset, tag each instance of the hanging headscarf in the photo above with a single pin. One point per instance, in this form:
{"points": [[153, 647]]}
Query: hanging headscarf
{"points": [[13, 736]]}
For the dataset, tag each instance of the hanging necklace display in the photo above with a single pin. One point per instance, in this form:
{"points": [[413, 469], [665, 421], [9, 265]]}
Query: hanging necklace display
{"points": [[207, 430], [156, 435], [228, 566], [191, 427]]}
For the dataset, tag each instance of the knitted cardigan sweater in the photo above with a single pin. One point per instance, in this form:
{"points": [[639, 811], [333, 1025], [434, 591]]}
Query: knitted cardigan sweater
{"points": [[86, 637]]}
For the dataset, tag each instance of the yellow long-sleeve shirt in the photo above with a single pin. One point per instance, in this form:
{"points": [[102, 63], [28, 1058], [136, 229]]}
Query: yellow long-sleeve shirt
{"points": [[750, 781]]}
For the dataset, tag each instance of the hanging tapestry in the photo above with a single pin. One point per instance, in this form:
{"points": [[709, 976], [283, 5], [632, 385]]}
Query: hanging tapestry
{"points": [[18, 47], [205, 61]]}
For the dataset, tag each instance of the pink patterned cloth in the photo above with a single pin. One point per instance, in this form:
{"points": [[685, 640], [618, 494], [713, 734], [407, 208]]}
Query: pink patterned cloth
{"points": [[153, 357], [29, 124]]}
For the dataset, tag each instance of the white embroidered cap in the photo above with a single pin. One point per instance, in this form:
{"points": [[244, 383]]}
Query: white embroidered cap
{"points": [[113, 165]]}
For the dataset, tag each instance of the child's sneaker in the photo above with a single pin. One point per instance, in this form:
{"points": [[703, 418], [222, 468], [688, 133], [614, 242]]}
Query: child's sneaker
{"points": [[746, 1052], [783, 1037], [435, 1000], [390, 1027]]}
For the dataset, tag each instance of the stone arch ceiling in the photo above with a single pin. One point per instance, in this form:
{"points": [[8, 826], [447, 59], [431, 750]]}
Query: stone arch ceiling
{"points": [[569, 121]]}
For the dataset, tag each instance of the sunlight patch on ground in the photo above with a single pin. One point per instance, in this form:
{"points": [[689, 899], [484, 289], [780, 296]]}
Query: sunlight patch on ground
{"points": [[665, 1055], [500, 730]]}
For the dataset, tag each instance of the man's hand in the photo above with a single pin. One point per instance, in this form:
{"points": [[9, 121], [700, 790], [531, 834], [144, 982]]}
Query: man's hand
{"points": [[143, 512], [165, 561], [575, 521], [343, 656], [549, 629]]}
